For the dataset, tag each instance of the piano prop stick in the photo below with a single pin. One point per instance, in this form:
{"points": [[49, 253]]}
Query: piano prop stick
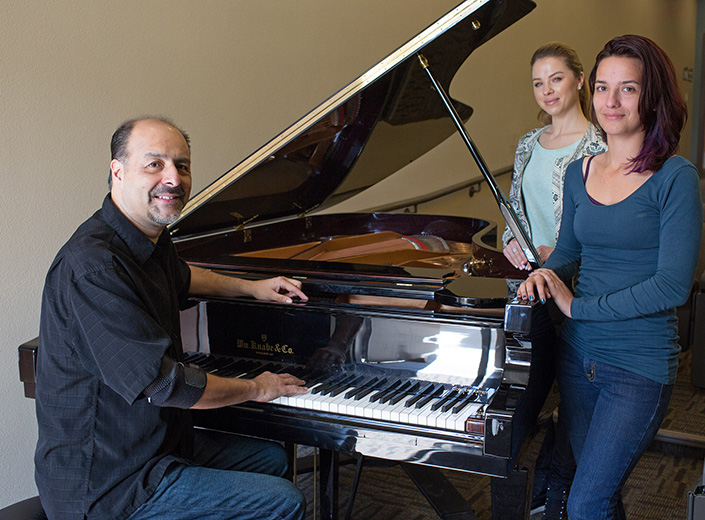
{"points": [[504, 206]]}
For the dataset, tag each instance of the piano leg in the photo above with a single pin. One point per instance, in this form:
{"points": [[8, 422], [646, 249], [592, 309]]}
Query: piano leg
{"points": [[353, 487], [510, 496], [330, 463], [292, 467], [448, 503]]}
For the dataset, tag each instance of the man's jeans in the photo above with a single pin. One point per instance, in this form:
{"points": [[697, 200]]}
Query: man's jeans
{"points": [[611, 415], [237, 478]]}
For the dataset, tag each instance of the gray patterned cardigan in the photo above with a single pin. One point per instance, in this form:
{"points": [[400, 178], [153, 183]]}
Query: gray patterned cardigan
{"points": [[590, 144]]}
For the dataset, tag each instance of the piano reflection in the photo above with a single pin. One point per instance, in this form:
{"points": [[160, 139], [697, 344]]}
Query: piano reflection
{"points": [[408, 344]]}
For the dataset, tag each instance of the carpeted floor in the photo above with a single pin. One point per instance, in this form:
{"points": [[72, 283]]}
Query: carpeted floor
{"points": [[656, 490]]}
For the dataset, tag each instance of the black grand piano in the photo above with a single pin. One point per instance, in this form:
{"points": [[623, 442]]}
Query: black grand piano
{"points": [[408, 344]]}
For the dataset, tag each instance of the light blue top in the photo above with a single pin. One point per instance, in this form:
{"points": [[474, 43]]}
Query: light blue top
{"points": [[537, 187], [637, 264]]}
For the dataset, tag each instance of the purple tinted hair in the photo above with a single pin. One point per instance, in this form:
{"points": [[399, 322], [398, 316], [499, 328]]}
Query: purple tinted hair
{"points": [[662, 110]]}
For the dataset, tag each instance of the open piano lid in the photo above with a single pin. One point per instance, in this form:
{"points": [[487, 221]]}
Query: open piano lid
{"points": [[371, 128]]}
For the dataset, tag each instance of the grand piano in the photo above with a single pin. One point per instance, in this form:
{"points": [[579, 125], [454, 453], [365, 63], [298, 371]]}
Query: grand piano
{"points": [[409, 346], [408, 343]]}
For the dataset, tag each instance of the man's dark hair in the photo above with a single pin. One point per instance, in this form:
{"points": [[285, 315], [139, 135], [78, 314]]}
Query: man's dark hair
{"points": [[118, 143]]}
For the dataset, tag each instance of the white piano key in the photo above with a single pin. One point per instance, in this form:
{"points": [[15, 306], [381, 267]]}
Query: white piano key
{"points": [[458, 424], [378, 409], [330, 403], [283, 400], [304, 400], [367, 410], [430, 418], [405, 414], [395, 414], [441, 419], [337, 404], [356, 408], [419, 414]]}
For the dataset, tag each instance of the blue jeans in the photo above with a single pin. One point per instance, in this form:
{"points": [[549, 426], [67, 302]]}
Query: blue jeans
{"points": [[611, 415], [236, 478]]}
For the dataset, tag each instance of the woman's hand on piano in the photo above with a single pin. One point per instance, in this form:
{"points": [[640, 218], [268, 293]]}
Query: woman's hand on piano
{"points": [[279, 289], [545, 284], [270, 386], [516, 256]]}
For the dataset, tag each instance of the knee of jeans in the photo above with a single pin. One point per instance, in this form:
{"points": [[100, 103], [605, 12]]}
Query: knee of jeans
{"points": [[583, 507], [292, 499], [276, 460]]}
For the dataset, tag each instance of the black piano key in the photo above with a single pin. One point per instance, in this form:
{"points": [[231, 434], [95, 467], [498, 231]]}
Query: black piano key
{"points": [[379, 395], [339, 379], [374, 385], [396, 392], [220, 362], [312, 387], [471, 398], [438, 392], [344, 383], [312, 379], [340, 388], [411, 391], [367, 391], [194, 357], [231, 364], [259, 370], [446, 398], [326, 384], [423, 393], [214, 363], [454, 402], [235, 369], [363, 387], [207, 363], [248, 365]]}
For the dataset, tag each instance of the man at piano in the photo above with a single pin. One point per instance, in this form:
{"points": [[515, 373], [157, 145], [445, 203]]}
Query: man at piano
{"points": [[115, 435]]}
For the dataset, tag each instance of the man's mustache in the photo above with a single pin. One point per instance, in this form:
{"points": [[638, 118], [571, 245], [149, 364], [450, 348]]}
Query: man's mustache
{"points": [[178, 191]]}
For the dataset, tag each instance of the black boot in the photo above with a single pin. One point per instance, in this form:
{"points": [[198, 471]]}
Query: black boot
{"points": [[556, 501]]}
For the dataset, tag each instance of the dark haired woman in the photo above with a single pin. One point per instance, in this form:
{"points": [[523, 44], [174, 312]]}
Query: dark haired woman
{"points": [[541, 159], [632, 219]]}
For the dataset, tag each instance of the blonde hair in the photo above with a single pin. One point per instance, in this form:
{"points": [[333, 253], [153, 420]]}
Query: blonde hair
{"points": [[570, 57]]}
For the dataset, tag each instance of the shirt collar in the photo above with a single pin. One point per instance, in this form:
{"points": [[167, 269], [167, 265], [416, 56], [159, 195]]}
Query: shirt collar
{"points": [[139, 244]]}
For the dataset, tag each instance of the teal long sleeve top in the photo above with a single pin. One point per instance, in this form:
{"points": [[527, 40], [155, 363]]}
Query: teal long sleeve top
{"points": [[636, 263]]}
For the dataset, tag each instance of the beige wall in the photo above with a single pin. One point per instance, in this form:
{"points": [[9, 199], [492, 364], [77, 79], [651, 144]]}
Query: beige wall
{"points": [[233, 73]]}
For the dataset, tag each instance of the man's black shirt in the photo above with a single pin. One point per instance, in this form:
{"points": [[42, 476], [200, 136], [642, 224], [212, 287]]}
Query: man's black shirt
{"points": [[110, 312]]}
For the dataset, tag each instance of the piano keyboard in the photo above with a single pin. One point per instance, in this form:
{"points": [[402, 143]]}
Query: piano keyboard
{"points": [[382, 397]]}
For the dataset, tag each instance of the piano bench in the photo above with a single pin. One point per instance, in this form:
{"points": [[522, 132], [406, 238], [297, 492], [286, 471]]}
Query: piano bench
{"points": [[29, 509]]}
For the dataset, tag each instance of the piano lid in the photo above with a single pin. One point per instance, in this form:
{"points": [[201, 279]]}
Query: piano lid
{"points": [[371, 128]]}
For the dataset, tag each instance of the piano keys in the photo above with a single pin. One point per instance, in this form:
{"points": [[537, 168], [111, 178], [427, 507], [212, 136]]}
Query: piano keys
{"points": [[358, 395]]}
